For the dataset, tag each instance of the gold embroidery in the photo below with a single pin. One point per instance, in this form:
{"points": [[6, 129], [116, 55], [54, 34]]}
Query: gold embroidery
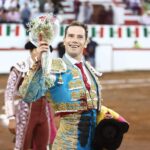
{"points": [[75, 73], [78, 95], [82, 94], [24, 87], [75, 95], [60, 79], [67, 134], [93, 94], [93, 87], [76, 84], [69, 106], [57, 65]]}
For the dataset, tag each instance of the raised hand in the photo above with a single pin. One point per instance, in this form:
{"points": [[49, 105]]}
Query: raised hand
{"points": [[12, 126]]}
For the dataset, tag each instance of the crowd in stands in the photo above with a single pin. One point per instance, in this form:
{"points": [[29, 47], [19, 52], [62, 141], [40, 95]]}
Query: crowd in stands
{"points": [[21, 11], [134, 5], [146, 13], [17, 11]]}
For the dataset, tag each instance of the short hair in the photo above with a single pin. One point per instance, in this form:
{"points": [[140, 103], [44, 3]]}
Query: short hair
{"points": [[76, 23], [29, 46]]}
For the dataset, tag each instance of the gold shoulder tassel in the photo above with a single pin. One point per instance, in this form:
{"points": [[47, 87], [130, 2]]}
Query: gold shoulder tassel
{"points": [[60, 80]]}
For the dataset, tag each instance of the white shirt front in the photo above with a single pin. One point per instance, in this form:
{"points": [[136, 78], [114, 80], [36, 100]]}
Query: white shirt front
{"points": [[74, 61]]}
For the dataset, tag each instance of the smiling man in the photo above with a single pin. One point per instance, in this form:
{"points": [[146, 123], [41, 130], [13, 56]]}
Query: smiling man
{"points": [[74, 90], [75, 40]]}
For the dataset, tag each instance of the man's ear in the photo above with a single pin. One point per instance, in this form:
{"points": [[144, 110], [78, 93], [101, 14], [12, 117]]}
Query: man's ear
{"points": [[86, 43], [64, 42]]}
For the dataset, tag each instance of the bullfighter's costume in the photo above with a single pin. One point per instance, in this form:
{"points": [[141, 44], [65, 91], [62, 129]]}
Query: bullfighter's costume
{"points": [[31, 119], [73, 102]]}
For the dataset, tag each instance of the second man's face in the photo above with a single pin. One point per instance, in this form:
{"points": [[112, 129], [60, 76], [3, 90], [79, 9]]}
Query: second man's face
{"points": [[75, 41]]}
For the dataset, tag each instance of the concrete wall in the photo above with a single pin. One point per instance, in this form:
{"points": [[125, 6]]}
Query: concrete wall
{"points": [[115, 51], [107, 59]]}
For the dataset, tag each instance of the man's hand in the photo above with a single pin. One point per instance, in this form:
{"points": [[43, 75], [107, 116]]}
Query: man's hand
{"points": [[42, 47], [12, 126]]}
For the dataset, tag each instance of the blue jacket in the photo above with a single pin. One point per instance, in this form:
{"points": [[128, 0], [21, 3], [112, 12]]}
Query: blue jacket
{"points": [[67, 91]]}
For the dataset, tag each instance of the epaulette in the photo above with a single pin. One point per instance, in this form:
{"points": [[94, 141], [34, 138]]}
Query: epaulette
{"points": [[57, 65], [98, 74], [21, 66]]}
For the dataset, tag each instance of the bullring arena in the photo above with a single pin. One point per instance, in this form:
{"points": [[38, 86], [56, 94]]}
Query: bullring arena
{"points": [[122, 35], [125, 92]]}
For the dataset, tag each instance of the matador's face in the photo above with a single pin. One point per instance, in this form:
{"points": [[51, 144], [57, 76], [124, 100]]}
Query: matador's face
{"points": [[75, 41]]}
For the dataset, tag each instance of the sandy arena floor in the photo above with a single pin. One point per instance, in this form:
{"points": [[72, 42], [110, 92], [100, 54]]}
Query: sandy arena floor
{"points": [[128, 93]]}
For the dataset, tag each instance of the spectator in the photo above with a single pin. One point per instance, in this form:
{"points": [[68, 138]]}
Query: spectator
{"points": [[85, 12], [61, 49], [34, 7], [13, 16], [136, 45], [2, 3], [41, 7], [109, 15], [48, 6], [25, 15], [8, 4], [90, 52], [145, 19], [88, 11], [102, 15], [22, 2], [135, 5], [3, 13], [76, 8], [81, 13], [57, 6]]}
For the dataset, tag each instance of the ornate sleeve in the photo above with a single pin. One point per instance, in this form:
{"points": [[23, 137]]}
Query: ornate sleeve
{"points": [[33, 86], [9, 94], [36, 84]]}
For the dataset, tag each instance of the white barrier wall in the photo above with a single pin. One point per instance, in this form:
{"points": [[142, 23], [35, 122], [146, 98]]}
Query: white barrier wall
{"points": [[104, 58], [107, 59], [9, 58], [115, 51], [131, 60]]}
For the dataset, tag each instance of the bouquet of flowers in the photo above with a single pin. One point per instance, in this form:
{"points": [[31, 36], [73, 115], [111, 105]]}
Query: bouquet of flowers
{"points": [[44, 28]]}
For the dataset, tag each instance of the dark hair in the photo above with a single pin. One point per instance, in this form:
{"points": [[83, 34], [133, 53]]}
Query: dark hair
{"points": [[29, 46], [76, 23]]}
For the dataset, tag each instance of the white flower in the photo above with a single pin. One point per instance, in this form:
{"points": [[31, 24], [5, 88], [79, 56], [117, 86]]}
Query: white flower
{"points": [[42, 28]]}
